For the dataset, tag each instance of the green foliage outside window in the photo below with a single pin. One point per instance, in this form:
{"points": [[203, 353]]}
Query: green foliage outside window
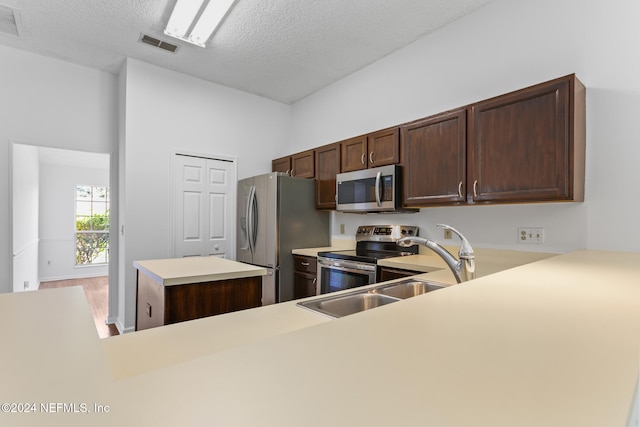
{"points": [[92, 225], [89, 243]]}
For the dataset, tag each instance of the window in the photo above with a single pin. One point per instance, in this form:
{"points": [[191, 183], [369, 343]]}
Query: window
{"points": [[92, 225]]}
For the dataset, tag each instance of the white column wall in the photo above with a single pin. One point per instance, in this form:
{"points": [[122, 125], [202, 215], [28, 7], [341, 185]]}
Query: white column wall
{"points": [[164, 111], [25, 190]]}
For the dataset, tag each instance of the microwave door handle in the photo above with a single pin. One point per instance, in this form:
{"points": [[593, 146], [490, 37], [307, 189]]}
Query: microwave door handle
{"points": [[378, 189]]}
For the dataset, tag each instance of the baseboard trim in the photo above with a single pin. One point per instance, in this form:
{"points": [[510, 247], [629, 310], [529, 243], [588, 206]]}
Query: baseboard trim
{"points": [[67, 277], [121, 329]]}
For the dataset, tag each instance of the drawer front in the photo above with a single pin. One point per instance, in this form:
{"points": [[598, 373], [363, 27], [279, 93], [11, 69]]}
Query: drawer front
{"points": [[305, 264]]}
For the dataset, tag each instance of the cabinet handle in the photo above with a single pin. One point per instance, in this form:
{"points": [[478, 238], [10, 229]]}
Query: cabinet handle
{"points": [[475, 188], [362, 159], [291, 174], [304, 264], [460, 189], [149, 309], [288, 172], [371, 157]]}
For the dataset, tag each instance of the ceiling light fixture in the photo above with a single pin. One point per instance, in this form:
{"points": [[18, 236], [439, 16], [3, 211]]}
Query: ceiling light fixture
{"points": [[194, 21]]}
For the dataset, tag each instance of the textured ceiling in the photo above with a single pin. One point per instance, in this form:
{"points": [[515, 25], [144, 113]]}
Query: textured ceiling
{"points": [[280, 49]]}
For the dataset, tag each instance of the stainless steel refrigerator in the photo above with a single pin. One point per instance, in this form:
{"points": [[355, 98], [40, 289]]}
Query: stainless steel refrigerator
{"points": [[276, 213]]}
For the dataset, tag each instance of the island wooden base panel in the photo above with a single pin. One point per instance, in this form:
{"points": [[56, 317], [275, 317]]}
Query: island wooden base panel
{"points": [[159, 305]]}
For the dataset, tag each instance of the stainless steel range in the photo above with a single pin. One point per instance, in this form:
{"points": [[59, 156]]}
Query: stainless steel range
{"points": [[339, 270]]}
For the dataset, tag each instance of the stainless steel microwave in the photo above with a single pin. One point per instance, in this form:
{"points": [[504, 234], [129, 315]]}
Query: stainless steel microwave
{"points": [[370, 190]]}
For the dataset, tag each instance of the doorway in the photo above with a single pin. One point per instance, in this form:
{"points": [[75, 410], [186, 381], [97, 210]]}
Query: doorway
{"points": [[45, 213]]}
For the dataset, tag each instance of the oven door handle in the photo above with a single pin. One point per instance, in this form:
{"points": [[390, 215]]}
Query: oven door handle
{"points": [[351, 267]]}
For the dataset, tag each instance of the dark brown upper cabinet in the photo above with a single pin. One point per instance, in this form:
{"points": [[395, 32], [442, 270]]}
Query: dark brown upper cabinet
{"points": [[327, 167], [303, 164], [384, 147], [379, 148], [354, 154], [282, 164], [434, 159], [528, 145], [300, 165]]}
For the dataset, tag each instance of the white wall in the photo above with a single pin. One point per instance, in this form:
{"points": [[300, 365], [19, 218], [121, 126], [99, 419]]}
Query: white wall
{"points": [[504, 46], [613, 109], [25, 190], [50, 103], [57, 220], [164, 111]]}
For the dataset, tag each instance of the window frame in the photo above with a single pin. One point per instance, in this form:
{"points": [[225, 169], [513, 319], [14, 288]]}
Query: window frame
{"points": [[103, 255]]}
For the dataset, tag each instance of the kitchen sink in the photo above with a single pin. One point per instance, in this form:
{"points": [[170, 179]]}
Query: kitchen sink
{"points": [[407, 288], [346, 304], [354, 302]]}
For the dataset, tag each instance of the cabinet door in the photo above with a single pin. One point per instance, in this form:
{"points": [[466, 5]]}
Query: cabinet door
{"points": [[303, 164], [354, 154], [282, 164], [304, 285], [384, 147], [388, 273], [150, 303], [327, 167], [304, 281], [522, 148], [434, 159]]}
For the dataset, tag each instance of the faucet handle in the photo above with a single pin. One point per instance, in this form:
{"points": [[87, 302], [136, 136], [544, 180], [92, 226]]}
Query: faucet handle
{"points": [[466, 251], [405, 242]]}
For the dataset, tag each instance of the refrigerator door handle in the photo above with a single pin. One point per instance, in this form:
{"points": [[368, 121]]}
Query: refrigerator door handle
{"points": [[253, 219], [249, 218]]}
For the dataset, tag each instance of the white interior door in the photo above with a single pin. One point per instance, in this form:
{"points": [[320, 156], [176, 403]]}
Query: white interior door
{"points": [[204, 203]]}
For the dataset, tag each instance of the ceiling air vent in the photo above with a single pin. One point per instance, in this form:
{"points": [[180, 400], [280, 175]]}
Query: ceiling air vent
{"points": [[152, 41], [9, 19]]}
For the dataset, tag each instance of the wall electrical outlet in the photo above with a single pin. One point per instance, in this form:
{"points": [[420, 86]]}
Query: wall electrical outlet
{"points": [[26, 284], [531, 235], [447, 234]]}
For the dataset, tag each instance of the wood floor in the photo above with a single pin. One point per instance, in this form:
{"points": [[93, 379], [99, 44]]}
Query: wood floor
{"points": [[96, 290]]}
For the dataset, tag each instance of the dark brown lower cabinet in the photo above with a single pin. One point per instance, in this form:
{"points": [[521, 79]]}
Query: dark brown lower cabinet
{"points": [[388, 273], [159, 305], [305, 279]]}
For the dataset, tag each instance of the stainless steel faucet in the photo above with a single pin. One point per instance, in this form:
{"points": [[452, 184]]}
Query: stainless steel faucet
{"points": [[464, 268]]}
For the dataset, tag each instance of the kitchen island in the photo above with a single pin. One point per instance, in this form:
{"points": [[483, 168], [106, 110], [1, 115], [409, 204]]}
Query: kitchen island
{"points": [[179, 289], [550, 343]]}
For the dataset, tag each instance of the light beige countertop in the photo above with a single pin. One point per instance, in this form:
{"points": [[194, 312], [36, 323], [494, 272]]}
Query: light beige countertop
{"points": [[180, 271], [550, 343], [488, 261], [148, 350]]}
